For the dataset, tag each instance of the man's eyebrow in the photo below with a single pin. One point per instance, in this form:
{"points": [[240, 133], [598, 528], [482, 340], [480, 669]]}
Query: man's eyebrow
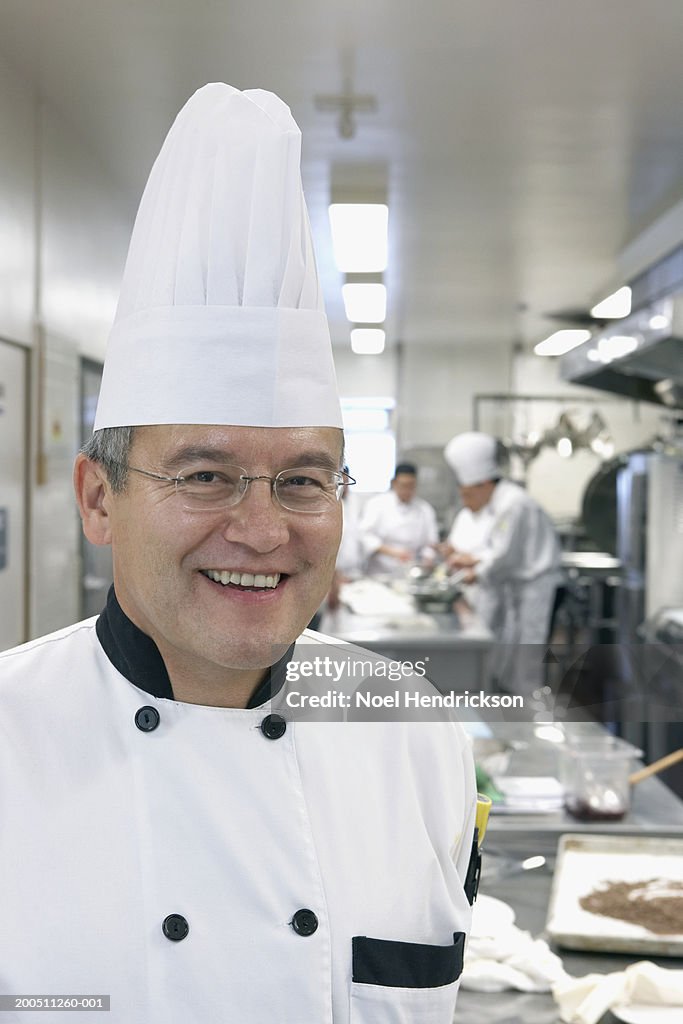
{"points": [[201, 453], [197, 453], [319, 459]]}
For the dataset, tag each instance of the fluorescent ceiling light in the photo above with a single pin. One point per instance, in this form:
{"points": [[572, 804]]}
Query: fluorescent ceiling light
{"points": [[659, 322], [565, 447], [365, 303], [615, 306], [560, 342], [616, 346], [367, 341], [359, 236]]}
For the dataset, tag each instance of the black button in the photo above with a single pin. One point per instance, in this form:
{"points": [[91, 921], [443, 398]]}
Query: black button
{"points": [[304, 922], [175, 927], [273, 726], [147, 718]]}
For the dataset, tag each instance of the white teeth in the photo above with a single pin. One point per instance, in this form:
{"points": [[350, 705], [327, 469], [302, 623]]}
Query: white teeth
{"points": [[242, 579]]}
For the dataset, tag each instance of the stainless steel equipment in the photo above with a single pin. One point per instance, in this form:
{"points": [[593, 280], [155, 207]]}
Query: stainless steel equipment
{"points": [[650, 535], [432, 591], [640, 356]]}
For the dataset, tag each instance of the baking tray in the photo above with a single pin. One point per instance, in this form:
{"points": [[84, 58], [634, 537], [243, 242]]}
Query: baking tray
{"points": [[585, 863]]}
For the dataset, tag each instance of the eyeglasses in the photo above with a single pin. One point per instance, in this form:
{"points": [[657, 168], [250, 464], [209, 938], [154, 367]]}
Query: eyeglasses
{"points": [[303, 489]]}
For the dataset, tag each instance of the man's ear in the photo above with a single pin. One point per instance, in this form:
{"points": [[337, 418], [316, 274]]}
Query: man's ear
{"points": [[93, 495]]}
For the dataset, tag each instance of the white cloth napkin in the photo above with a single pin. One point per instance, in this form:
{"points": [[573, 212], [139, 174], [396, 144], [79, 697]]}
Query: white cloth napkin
{"points": [[585, 1000], [500, 955], [370, 597]]}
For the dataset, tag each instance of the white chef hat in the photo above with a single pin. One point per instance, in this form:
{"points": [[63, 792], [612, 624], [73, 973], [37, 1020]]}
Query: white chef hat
{"points": [[472, 457], [221, 316]]}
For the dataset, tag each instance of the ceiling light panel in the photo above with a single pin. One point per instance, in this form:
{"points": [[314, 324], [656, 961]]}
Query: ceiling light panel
{"points": [[365, 303], [560, 342], [367, 341], [615, 306], [359, 236]]}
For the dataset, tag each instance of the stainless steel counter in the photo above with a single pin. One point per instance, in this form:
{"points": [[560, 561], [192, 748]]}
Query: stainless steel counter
{"points": [[528, 895], [655, 809]]}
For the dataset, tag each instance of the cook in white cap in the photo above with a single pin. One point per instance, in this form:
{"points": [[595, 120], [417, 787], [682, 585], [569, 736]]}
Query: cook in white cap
{"points": [[173, 848], [398, 528], [507, 547]]}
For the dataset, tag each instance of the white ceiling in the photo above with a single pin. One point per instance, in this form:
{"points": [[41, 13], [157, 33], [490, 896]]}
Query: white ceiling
{"points": [[525, 141]]}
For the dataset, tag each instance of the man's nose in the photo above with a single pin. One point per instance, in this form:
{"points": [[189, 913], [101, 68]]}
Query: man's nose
{"points": [[258, 520]]}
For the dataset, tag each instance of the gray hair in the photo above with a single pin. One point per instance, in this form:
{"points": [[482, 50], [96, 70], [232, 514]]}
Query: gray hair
{"points": [[111, 448]]}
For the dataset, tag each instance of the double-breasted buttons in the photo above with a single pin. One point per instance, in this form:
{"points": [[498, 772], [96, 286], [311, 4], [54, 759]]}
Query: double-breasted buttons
{"points": [[273, 727], [147, 718], [175, 927], [304, 922]]}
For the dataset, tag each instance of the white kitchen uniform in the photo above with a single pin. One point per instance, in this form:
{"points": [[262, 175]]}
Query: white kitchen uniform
{"points": [[521, 559], [470, 534], [203, 864], [406, 524], [351, 556]]}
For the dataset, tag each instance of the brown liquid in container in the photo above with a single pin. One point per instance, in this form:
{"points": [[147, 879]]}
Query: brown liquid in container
{"points": [[582, 810]]}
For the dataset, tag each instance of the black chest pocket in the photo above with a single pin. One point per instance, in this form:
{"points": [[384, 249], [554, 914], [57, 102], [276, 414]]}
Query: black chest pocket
{"points": [[406, 964]]}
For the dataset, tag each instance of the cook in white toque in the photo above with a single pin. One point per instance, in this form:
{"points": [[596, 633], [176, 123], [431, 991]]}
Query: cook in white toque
{"points": [[472, 457], [221, 317]]}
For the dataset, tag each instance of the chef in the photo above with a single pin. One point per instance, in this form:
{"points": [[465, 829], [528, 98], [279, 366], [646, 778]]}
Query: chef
{"points": [[170, 843], [350, 557], [398, 528], [505, 543]]}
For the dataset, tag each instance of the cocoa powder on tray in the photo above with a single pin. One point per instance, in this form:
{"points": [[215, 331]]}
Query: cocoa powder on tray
{"points": [[655, 904]]}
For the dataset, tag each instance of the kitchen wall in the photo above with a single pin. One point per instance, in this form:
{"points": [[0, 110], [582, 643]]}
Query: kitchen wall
{"points": [[64, 231]]}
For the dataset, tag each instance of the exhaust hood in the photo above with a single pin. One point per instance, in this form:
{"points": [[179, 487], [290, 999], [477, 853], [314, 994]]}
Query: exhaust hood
{"points": [[640, 357]]}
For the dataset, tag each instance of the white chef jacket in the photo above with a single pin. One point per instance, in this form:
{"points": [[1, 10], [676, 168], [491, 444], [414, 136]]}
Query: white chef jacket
{"points": [[407, 524], [521, 544], [109, 828], [517, 574], [470, 534], [351, 556]]}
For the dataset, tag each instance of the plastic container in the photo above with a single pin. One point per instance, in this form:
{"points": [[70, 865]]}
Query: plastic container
{"points": [[594, 771]]}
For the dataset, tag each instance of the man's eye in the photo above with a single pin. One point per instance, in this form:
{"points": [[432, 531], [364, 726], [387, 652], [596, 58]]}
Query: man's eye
{"points": [[302, 481], [205, 476]]}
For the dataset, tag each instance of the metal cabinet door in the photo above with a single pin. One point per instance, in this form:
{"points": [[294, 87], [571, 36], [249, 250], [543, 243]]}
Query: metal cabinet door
{"points": [[13, 471]]}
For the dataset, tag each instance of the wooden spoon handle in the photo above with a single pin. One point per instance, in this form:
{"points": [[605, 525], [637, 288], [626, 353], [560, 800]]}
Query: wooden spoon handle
{"points": [[656, 766]]}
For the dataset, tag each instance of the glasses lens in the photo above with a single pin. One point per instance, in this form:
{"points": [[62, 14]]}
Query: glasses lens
{"points": [[308, 489], [210, 488]]}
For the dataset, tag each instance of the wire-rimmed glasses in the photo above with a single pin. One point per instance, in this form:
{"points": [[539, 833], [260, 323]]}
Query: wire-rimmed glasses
{"points": [[302, 489]]}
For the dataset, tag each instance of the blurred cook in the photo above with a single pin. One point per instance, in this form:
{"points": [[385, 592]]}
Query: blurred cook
{"points": [[350, 557], [505, 542], [398, 528]]}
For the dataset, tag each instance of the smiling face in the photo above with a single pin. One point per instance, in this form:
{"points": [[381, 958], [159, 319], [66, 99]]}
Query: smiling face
{"points": [[171, 565]]}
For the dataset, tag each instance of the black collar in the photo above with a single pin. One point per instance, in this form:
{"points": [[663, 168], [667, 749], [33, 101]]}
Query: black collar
{"points": [[137, 657]]}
